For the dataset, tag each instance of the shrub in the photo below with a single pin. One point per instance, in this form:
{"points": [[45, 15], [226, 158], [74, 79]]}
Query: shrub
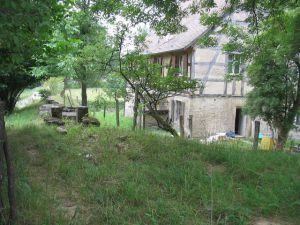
{"points": [[54, 84], [45, 93]]}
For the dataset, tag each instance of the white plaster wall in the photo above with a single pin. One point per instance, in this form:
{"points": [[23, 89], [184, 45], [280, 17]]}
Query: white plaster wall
{"points": [[129, 107], [214, 88]]}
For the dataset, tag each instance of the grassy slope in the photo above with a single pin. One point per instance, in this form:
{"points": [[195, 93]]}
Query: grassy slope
{"points": [[84, 178]]}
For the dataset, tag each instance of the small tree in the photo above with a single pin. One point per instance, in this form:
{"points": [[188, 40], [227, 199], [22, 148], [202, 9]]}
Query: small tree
{"points": [[138, 71], [115, 87]]}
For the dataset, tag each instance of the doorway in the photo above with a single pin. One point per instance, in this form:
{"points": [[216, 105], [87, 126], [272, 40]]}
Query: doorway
{"points": [[238, 121]]}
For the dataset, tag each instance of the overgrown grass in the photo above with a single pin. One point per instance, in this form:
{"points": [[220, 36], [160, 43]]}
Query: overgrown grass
{"points": [[110, 119], [28, 92], [92, 176]]}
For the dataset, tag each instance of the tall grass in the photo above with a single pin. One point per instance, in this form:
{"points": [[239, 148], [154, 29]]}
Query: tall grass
{"points": [[91, 176]]}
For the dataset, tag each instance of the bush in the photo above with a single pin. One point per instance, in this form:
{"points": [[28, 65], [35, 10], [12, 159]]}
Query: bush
{"points": [[45, 93], [54, 84]]}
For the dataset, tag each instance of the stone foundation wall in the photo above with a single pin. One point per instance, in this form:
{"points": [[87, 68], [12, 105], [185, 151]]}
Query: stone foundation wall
{"points": [[217, 114]]}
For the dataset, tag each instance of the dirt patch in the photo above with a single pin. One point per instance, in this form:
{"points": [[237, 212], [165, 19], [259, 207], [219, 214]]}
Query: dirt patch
{"points": [[212, 169], [69, 208], [263, 221]]}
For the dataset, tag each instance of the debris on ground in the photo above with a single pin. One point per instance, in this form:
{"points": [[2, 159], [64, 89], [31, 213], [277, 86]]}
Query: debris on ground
{"points": [[62, 130], [87, 121], [54, 121]]}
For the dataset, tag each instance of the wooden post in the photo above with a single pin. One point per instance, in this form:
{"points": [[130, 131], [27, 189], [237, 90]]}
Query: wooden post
{"points": [[117, 111], [140, 120], [56, 111], [256, 134], [9, 168], [144, 117], [83, 94], [64, 91], [191, 125], [81, 111], [104, 111], [2, 216], [181, 123], [135, 107]]}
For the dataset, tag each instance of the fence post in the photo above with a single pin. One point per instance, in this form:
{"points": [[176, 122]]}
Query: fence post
{"points": [[256, 134], [181, 123]]}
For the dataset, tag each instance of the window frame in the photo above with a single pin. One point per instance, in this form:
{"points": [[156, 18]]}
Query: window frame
{"points": [[234, 63]]}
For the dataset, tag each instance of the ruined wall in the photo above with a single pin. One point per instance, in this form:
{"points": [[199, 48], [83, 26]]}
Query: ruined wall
{"points": [[186, 113]]}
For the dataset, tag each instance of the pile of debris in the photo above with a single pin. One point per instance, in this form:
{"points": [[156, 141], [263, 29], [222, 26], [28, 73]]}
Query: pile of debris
{"points": [[55, 113], [221, 137]]}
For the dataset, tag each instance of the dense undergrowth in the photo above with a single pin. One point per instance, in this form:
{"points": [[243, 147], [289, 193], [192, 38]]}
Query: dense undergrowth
{"points": [[116, 176]]}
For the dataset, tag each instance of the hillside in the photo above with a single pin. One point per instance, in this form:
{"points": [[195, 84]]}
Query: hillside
{"points": [[116, 176]]}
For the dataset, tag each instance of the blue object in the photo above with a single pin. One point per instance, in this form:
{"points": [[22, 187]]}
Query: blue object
{"points": [[230, 134], [260, 136]]}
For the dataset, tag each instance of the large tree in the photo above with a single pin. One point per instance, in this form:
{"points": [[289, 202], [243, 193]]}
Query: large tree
{"points": [[274, 73], [78, 50], [26, 25], [115, 87]]}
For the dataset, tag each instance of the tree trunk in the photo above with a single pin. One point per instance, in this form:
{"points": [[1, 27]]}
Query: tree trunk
{"points": [[135, 108], [282, 137], [161, 122], [104, 111], [1, 191], [9, 168], [117, 111], [83, 94], [64, 91], [144, 117]]}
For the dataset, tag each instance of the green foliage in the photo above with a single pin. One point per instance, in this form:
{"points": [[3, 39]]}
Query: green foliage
{"points": [[20, 50], [115, 86], [268, 40], [207, 41], [153, 180], [163, 16], [210, 19], [45, 93], [54, 85], [139, 70], [101, 103], [274, 73]]}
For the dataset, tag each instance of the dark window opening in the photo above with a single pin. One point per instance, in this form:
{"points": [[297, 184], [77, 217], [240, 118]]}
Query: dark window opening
{"points": [[238, 121]]}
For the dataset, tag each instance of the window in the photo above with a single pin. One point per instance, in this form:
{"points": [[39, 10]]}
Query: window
{"points": [[234, 64], [159, 60], [179, 63]]}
